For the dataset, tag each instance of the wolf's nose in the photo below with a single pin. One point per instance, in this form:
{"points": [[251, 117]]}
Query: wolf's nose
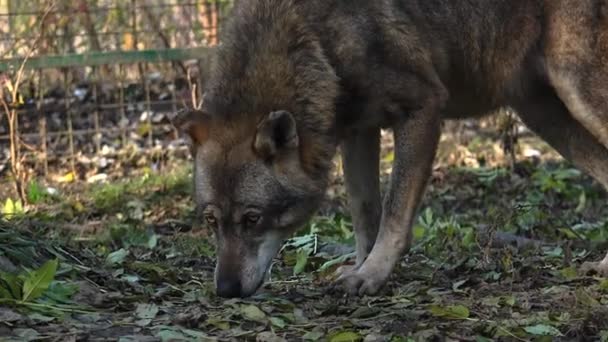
{"points": [[229, 288]]}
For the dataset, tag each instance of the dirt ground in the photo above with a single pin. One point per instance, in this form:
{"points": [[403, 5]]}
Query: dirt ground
{"points": [[498, 256]]}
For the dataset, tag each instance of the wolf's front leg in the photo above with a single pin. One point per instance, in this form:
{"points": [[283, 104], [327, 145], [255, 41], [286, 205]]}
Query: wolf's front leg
{"points": [[416, 142], [361, 161]]}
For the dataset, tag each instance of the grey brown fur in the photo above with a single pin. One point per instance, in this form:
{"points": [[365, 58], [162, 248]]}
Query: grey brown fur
{"points": [[295, 79]]}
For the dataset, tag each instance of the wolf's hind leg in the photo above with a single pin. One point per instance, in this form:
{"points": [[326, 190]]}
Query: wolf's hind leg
{"points": [[547, 116], [575, 62], [550, 119]]}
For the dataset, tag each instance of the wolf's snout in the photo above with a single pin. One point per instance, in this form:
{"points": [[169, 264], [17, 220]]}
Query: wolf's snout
{"points": [[229, 288]]}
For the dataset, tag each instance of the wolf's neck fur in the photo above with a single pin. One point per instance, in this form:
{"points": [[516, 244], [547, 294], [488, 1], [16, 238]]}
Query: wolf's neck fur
{"points": [[270, 60]]}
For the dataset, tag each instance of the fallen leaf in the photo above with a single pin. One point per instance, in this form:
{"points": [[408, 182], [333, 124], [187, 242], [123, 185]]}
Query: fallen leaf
{"points": [[301, 260], [27, 334], [569, 273], [117, 257], [61, 292], [585, 298], [268, 336], [278, 322], [482, 339], [456, 286], [218, 323], [314, 335], [39, 280], [146, 313], [67, 178], [364, 312], [10, 286], [542, 330], [253, 313], [9, 316], [346, 336], [450, 312], [40, 318]]}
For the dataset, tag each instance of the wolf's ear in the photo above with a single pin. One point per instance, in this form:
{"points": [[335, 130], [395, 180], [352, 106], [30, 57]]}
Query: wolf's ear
{"points": [[194, 123], [277, 132]]}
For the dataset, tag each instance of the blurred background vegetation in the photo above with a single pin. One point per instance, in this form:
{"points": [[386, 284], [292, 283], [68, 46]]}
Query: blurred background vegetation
{"points": [[79, 26], [82, 81]]}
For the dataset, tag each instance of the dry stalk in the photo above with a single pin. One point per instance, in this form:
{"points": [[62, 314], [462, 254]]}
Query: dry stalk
{"points": [[197, 99], [11, 112]]}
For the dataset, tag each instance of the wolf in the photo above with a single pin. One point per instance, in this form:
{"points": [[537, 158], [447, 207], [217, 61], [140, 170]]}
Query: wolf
{"points": [[295, 80]]}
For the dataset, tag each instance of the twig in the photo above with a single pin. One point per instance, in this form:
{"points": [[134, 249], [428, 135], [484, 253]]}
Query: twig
{"points": [[12, 115], [196, 102]]}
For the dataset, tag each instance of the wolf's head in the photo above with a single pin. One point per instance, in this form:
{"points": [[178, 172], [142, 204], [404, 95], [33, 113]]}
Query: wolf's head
{"points": [[264, 139], [253, 187]]}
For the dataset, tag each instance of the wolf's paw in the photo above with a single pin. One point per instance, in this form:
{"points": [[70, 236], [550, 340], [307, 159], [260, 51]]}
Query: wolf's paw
{"points": [[346, 269], [363, 281], [600, 268]]}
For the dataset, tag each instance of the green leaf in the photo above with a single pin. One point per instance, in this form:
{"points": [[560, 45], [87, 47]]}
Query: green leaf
{"points": [[278, 322], [61, 292], [301, 261], [568, 232], [603, 335], [336, 261], [364, 312], [604, 285], [314, 335], [542, 330], [117, 257], [218, 323], [38, 281], [470, 237], [152, 241], [253, 313], [346, 336], [585, 298], [35, 193], [419, 232], [10, 286], [569, 273], [5, 293], [450, 312], [508, 300], [582, 202]]}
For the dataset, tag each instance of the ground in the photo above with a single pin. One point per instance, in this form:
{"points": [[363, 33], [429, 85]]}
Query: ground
{"points": [[497, 257]]}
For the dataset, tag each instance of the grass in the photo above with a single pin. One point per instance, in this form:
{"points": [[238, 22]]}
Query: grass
{"points": [[496, 257]]}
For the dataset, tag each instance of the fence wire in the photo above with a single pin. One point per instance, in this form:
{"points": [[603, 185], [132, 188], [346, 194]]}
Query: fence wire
{"points": [[80, 118]]}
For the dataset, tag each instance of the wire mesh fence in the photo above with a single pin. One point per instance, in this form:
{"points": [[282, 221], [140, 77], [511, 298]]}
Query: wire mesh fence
{"points": [[85, 80]]}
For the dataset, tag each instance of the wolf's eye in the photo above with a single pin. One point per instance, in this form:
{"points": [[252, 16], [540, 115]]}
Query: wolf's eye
{"points": [[210, 220], [252, 218]]}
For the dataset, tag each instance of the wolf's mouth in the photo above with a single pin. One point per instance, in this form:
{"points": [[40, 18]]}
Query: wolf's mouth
{"points": [[267, 275]]}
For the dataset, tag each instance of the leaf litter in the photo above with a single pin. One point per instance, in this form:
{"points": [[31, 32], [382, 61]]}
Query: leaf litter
{"points": [[496, 257]]}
